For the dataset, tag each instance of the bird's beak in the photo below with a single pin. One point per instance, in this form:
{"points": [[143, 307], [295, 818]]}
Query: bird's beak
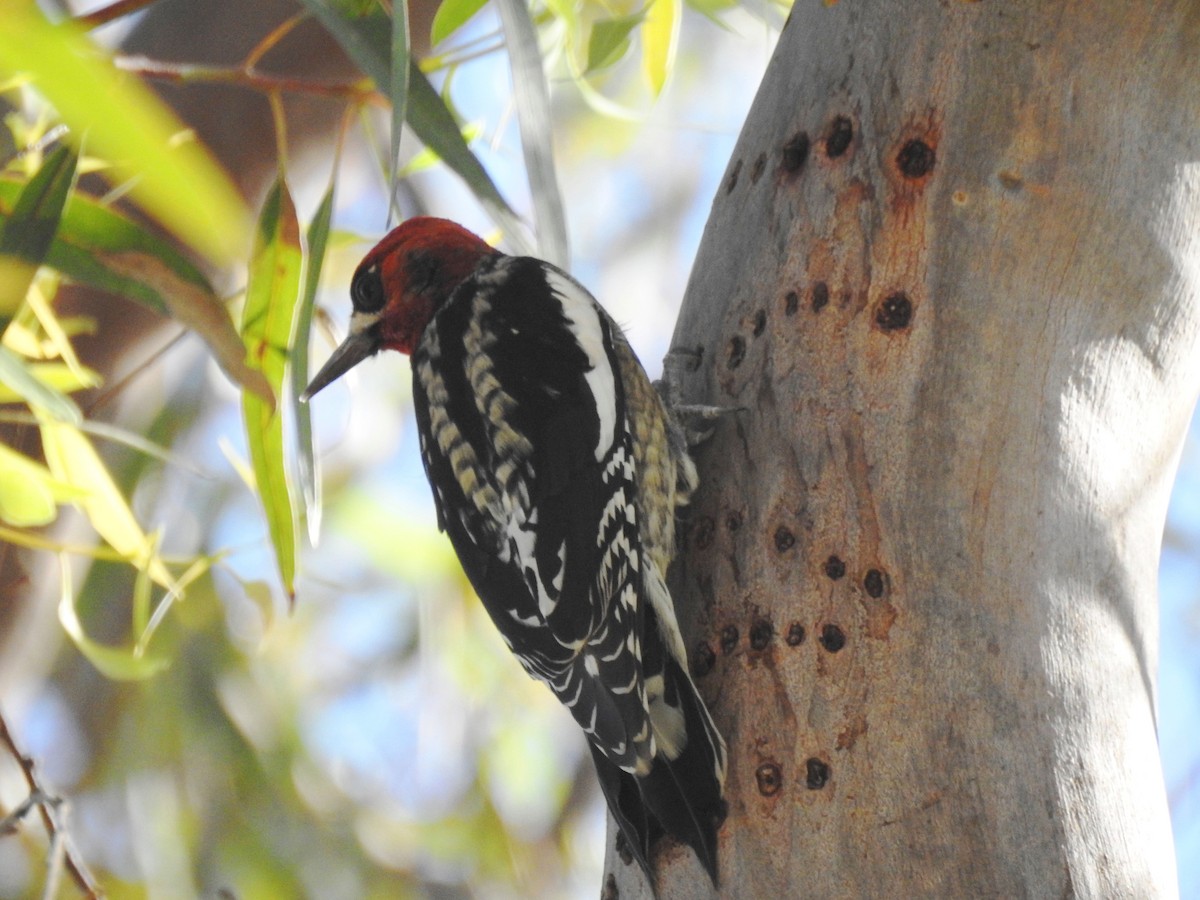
{"points": [[353, 350]]}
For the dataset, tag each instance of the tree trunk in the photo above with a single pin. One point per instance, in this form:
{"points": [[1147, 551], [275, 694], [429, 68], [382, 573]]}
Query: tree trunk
{"points": [[950, 279]]}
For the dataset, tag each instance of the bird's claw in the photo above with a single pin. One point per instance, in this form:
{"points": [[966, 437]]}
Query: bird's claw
{"points": [[696, 421]]}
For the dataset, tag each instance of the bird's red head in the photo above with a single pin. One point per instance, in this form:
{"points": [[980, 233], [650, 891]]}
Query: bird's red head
{"points": [[399, 286]]}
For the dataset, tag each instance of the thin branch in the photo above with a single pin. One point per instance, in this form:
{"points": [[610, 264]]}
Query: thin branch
{"points": [[277, 34], [54, 865], [280, 120], [142, 368], [449, 59], [47, 804], [8, 825], [359, 90]]}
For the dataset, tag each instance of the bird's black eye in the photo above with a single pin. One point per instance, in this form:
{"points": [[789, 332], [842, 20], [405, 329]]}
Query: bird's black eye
{"points": [[366, 291]]}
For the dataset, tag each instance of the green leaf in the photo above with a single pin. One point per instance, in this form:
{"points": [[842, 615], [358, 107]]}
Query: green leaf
{"points": [[39, 207], [660, 37], [609, 40], [101, 248], [433, 123], [306, 458], [112, 662], [367, 41], [426, 159], [15, 374], [452, 15], [90, 230], [271, 293], [26, 234], [176, 181], [532, 97]]}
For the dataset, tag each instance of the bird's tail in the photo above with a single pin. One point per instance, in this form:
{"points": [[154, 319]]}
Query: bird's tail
{"points": [[682, 795]]}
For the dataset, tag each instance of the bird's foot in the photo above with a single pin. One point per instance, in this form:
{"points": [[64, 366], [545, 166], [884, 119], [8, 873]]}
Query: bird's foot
{"points": [[697, 421]]}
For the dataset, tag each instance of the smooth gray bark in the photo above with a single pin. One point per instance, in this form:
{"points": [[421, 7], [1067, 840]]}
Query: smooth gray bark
{"points": [[952, 276]]}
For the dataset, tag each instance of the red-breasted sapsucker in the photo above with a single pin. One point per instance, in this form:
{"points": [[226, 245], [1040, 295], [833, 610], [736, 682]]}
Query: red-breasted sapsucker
{"points": [[556, 471]]}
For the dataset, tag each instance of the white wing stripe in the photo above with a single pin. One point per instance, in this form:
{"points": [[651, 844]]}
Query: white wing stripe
{"points": [[583, 318]]}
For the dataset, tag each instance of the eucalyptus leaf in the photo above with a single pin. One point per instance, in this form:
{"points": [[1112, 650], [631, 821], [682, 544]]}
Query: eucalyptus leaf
{"points": [[271, 300], [36, 213], [434, 124], [609, 40], [103, 249]]}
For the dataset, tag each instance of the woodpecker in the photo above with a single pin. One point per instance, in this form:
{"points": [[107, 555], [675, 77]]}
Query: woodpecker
{"points": [[556, 471]]}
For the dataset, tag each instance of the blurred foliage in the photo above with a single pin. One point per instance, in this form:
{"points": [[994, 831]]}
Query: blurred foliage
{"points": [[225, 748], [123, 121]]}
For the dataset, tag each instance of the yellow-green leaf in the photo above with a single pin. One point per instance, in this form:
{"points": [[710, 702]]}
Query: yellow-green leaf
{"points": [[660, 36], [15, 375], [25, 502], [451, 16], [57, 342], [56, 375], [73, 460], [271, 293], [112, 662], [176, 180], [199, 567], [29, 493]]}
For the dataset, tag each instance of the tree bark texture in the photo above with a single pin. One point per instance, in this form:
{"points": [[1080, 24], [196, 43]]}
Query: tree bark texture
{"points": [[951, 283]]}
